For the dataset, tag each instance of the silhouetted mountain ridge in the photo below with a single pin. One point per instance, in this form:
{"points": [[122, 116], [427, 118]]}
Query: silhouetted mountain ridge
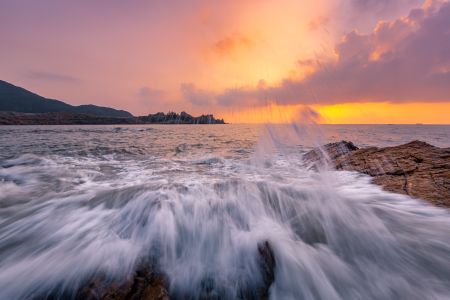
{"points": [[17, 99]]}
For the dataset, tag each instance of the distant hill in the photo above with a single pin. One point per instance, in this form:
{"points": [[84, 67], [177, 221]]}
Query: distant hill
{"points": [[17, 99]]}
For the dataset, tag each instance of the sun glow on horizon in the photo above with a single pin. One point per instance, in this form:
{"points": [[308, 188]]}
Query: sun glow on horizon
{"points": [[347, 113]]}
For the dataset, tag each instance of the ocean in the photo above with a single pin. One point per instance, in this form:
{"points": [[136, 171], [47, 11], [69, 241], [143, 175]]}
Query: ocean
{"points": [[83, 202]]}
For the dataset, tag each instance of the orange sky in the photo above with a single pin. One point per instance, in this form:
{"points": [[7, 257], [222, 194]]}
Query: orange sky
{"points": [[352, 61], [348, 113]]}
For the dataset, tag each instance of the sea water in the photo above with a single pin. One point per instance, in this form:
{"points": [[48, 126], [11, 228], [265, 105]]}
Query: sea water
{"points": [[79, 202]]}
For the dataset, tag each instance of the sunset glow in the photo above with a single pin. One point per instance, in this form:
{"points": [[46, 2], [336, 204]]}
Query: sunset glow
{"points": [[348, 113], [353, 61], [386, 113], [227, 149]]}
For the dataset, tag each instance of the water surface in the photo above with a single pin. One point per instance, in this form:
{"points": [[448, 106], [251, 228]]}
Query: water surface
{"points": [[80, 202]]}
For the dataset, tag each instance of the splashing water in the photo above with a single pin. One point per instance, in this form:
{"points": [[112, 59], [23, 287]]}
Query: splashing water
{"points": [[99, 203]]}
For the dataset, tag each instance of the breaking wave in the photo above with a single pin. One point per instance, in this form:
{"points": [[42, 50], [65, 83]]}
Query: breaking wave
{"points": [[65, 219]]}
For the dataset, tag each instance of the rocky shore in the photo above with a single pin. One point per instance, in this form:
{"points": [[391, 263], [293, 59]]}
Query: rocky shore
{"points": [[417, 169], [147, 284]]}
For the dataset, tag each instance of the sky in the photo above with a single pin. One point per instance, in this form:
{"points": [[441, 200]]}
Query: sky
{"points": [[352, 61]]}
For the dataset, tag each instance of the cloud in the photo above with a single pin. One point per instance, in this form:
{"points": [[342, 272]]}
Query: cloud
{"points": [[406, 60], [381, 6], [148, 93], [316, 23], [154, 98], [381, 9], [49, 76], [196, 96], [231, 43], [150, 100]]}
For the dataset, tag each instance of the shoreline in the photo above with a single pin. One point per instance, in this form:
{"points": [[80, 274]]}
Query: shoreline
{"points": [[416, 169], [66, 118]]}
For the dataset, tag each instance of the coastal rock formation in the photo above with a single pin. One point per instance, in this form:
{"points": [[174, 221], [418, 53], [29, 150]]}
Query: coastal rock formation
{"points": [[182, 118], [330, 151], [68, 118], [417, 169]]}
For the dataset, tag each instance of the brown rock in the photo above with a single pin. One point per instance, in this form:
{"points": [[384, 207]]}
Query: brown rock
{"points": [[157, 290], [417, 169], [146, 284], [143, 285], [332, 151]]}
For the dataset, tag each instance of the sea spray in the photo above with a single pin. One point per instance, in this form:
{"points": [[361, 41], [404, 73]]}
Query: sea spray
{"points": [[69, 218]]}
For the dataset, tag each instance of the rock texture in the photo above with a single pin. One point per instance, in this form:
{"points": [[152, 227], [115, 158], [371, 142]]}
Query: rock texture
{"points": [[144, 285], [417, 169]]}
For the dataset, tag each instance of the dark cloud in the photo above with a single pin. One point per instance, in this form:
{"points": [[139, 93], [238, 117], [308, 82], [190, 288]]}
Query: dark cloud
{"points": [[382, 6], [406, 60], [49, 76], [364, 14]]}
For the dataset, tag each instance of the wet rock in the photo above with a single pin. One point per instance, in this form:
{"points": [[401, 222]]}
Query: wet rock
{"points": [[146, 284], [330, 151], [143, 285], [417, 169], [267, 268]]}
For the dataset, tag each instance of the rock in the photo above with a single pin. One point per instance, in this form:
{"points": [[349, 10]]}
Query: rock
{"points": [[267, 268], [143, 285], [417, 169], [182, 118], [332, 151], [146, 284]]}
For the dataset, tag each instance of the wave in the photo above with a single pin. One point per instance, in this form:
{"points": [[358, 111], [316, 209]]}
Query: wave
{"points": [[66, 221]]}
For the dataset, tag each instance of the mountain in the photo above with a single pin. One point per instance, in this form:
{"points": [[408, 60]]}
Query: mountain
{"points": [[17, 99]]}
